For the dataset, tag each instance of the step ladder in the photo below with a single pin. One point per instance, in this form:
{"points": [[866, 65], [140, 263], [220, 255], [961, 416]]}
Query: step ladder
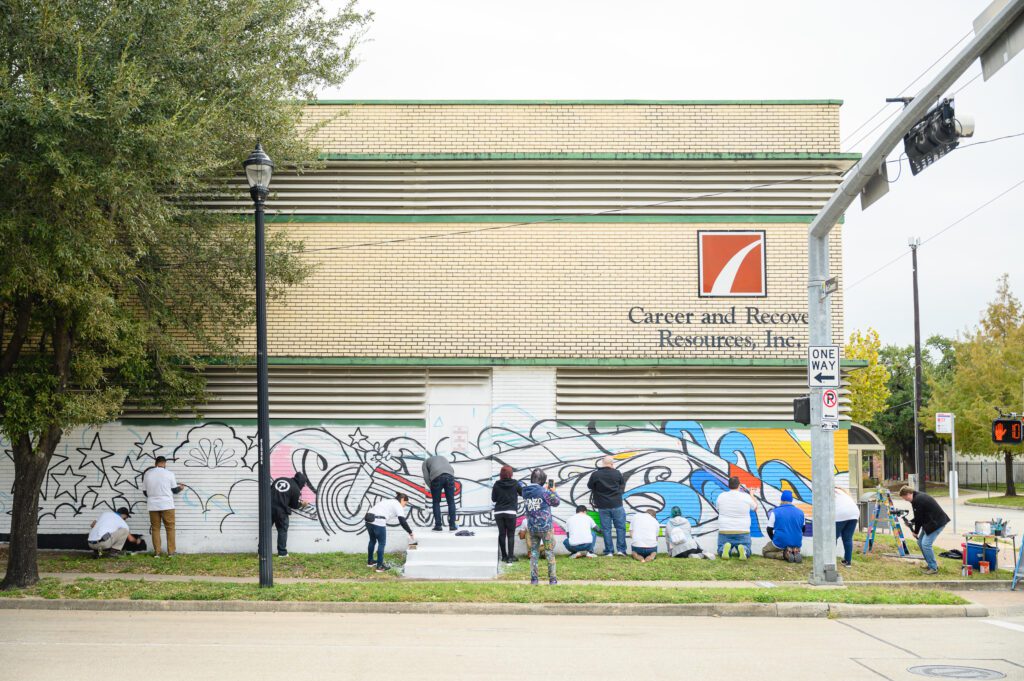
{"points": [[442, 555], [883, 498], [1018, 569]]}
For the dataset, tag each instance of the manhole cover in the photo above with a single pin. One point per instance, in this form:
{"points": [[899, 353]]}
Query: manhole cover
{"points": [[946, 671]]}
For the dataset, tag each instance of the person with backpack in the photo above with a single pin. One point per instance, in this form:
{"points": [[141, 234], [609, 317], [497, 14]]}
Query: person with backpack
{"points": [[679, 537], [538, 500]]}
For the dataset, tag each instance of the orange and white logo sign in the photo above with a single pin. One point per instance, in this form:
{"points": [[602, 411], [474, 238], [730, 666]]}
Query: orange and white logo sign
{"points": [[732, 264]]}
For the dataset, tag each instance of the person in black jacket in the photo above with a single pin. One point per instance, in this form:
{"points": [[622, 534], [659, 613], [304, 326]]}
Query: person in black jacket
{"points": [[606, 487], [927, 524], [505, 495], [284, 498]]}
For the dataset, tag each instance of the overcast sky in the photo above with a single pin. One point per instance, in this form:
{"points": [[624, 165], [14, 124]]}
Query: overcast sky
{"points": [[859, 52]]}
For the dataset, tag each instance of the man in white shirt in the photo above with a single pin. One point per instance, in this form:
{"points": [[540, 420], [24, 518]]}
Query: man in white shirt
{"points": [[377, 528], [734, 509], [644, 531], [159, 485], [582, 534], [109, 533]]}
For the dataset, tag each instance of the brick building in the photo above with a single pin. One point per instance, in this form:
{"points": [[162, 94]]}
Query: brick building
{"points": [[536, 283]]}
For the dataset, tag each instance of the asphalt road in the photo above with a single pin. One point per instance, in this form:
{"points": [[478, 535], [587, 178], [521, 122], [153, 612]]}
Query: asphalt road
{"points": [[251, 646]]}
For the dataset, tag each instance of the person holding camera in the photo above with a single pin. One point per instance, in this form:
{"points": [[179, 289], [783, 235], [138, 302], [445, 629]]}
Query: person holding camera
{"points": [[377, 527], [538, 500]]}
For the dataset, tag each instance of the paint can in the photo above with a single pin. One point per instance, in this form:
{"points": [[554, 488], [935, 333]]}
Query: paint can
{"points": [[983, 567], [983, 527], [966, 571]]}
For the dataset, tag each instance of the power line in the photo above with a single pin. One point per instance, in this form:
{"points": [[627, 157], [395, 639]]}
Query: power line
{"points": [[908, 86], [566, 218], [937, 234]]}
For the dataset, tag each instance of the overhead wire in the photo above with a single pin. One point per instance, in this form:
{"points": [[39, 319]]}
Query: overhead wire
{"points": [[938, 233]]}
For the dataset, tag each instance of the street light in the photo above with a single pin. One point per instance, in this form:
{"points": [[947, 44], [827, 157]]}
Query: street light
{"points": [[258, 170]]}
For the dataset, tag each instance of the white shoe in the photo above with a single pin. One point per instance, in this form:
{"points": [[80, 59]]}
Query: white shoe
{"points": [[591, 555], [576, 555], [620, 553]]}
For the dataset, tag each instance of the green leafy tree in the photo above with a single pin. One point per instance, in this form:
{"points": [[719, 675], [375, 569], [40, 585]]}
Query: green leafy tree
{"points": [[114, 116], [987, 375], [895, 423], [869, 387]]}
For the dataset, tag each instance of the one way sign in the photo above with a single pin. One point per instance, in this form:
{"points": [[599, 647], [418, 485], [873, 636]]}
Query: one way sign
{"points": [[823, 366]]}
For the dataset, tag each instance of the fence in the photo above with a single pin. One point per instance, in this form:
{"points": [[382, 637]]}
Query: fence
{"points": [[983, 473]]}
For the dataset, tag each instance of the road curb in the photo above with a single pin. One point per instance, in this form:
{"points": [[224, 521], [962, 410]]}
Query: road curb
{"points": [[971, 503], [803, 610]]}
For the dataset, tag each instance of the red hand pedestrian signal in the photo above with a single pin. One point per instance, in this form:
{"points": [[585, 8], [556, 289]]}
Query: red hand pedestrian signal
{"points": [[1007, 431]]}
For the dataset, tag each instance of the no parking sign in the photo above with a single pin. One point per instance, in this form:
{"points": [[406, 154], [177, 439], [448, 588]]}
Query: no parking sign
{"points": [[830, 404]]}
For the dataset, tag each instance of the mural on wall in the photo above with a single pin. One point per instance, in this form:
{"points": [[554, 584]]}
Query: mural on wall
{"points": [[665, 464]]}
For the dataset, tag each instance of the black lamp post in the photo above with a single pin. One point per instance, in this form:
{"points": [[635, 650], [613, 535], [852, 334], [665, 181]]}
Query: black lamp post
{"points": [[258, 170]]}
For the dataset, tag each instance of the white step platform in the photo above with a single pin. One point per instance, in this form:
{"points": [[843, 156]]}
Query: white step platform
{"points": [[442, 555]]}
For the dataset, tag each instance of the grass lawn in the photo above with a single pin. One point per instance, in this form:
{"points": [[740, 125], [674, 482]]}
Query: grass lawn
{"points": [[937, 489], [995, 487], [872, 567], [468, 592], [1009, 502], [308, 565]]}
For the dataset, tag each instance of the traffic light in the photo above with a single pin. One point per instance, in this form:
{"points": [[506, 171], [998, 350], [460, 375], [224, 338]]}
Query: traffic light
{"points": [[802, 410], [935, 135], [1007, 432]]}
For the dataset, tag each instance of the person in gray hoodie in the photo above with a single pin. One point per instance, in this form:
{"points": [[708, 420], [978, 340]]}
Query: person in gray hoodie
{"points": [[439, 476]]}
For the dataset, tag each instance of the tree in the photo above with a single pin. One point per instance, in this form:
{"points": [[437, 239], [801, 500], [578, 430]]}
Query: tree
{"points": [[987, 375], [895, 423], [869, 387], [114, 117]]}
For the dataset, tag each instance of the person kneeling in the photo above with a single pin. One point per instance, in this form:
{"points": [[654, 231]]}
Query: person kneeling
{"points": [[786, 530], [644, 533], [109, 533], [582, 534]]}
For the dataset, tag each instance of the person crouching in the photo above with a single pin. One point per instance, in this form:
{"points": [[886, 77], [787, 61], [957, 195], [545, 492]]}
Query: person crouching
{"points": [[109, 533], [786, 531]]}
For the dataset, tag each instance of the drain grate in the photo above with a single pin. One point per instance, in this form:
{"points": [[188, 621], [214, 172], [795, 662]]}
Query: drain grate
{"points": [[947, 671]]}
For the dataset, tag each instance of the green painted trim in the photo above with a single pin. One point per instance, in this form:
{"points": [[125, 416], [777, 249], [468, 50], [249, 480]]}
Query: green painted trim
{"points": [[600, 156], [532, 361], [168, 420], [542, 219], [577, 102], [713, 423]]}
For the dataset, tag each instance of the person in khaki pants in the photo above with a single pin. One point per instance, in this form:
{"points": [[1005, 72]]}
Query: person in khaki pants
{"points": [[159, 485]]}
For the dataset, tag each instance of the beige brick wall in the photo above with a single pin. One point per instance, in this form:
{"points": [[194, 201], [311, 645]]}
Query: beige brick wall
{"points": [[576, 128], [535, 291]]}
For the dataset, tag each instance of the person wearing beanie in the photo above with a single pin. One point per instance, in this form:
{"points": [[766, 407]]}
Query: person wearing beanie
{"points": [[284, 498], [679, 536], [786, 530]]}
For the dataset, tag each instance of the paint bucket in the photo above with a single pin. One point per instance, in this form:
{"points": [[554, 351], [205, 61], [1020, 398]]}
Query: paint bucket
{"points": [[983, 567], [966, 571], [982, 527]]}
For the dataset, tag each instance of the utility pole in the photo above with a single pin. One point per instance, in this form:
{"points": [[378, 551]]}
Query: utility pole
{"points": [[819, 314], [918, 449]]}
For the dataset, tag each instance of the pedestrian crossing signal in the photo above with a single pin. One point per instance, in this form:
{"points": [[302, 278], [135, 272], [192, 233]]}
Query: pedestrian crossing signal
{"points": [[1007, 431]]}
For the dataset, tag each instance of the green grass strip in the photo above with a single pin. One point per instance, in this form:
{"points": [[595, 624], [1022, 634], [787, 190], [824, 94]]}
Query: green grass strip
{"points": [[467, 592]]}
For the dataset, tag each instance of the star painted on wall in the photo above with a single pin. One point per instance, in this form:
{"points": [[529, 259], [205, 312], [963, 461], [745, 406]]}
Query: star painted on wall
{"points": [[95, 456], [56, 461], [357, 440], [148, 449], [104, 494], [127, 473], [67, 484]]}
